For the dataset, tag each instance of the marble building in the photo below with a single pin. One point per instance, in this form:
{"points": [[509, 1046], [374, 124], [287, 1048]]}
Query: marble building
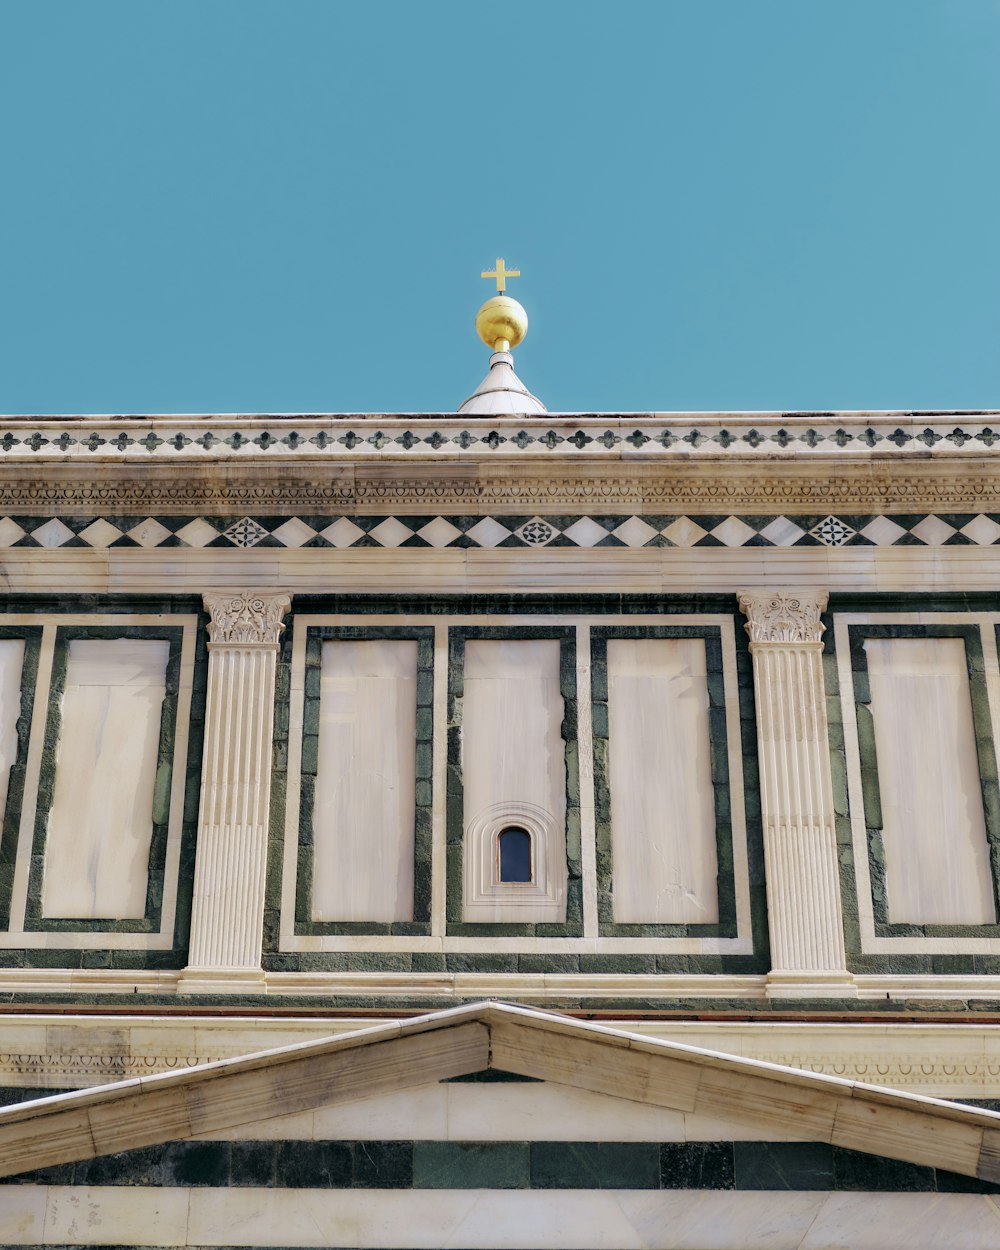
{"points": [[500, 828]]}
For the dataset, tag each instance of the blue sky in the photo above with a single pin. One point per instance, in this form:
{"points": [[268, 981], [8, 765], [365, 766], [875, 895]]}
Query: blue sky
{"points": [[233, 205]]}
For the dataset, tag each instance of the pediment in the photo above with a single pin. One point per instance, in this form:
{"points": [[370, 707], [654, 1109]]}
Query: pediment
{"points": [[582, 1064]]}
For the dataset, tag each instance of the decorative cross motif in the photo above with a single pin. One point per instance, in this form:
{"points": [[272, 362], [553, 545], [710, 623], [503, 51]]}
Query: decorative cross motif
{"points": [[501, 273]]}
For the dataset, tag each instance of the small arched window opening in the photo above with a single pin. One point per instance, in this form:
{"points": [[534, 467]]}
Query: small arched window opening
{"points": [[515, 854]]}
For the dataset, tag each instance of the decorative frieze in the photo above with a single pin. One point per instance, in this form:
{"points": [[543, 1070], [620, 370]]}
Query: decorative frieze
{"points": [[800, 845], [228, 905], [358, 437], [591, 528]]}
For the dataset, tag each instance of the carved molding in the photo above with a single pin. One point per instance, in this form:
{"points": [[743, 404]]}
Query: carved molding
{"points": [[936, 1068], [470, 485], [248, 618], [783, 615]]}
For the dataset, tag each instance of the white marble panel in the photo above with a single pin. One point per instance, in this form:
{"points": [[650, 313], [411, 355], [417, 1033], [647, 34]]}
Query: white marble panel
{"points": [[11, 664], [662, 802], [934, 832], [363, 818], [513, 761], [563, 1220], [101, 819]]}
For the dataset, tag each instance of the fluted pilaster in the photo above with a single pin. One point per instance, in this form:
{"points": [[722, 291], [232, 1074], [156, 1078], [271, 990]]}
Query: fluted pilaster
{"points": [[800, 844], [228, 906]]}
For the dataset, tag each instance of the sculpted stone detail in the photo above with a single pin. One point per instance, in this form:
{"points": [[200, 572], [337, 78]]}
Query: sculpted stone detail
{"points": [[797, 814], [783, 615], [246, 619], [471, 484], [228, 904], [934, 1069]]}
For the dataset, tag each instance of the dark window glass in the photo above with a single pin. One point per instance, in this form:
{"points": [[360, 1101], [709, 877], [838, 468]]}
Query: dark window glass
{"points": [[515, 855]]}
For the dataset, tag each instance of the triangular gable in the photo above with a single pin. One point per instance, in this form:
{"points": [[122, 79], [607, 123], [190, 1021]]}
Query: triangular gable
{"points": [[236, 1093]]}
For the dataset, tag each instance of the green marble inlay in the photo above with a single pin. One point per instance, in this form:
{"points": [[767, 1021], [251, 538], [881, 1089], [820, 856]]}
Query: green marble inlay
{"points": [[546, 1165], [471, 1165], [304, 925], [841, 702], [718, 731], [96, 956], [150, 922], [871, 793], [32, 637]]}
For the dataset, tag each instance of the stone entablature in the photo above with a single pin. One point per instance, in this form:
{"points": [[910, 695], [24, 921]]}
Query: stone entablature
{"points": [[672, 464]]}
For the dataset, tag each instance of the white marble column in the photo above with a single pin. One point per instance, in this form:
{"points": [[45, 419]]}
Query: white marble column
{"points": [[800, 844], [228, 907]]}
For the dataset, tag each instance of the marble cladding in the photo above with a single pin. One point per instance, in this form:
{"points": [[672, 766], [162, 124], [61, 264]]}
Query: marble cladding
{"points": [[619, 528], [595, 1219], [11, 665], [513, 768], [662, 810], [101, 819], [365, 787], [228, 903], [934, 831]]}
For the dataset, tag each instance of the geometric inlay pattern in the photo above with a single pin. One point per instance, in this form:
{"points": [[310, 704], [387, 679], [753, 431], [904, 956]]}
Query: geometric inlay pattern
{"points": [[428, 530]]}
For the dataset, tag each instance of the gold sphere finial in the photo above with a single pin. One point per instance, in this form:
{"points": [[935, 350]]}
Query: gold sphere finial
{"points": [[501, 323]]}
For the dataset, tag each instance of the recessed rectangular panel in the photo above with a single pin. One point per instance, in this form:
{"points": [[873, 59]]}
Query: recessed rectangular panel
{"points": [[933, 831], [514, 777], [365, 804], [11, 665], [513, 749], [101, 820], [662, 801]]}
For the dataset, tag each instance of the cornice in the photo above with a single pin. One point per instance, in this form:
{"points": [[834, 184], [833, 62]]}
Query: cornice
{"points": [[353, 437], [671, 464]]}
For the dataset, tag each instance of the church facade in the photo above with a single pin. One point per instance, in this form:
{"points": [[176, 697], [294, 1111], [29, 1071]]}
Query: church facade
{"points": [[325, 737]]}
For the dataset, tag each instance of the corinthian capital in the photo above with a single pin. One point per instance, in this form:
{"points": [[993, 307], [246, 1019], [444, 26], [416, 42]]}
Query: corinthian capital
{"points": [[246, 618], [783, 615]]}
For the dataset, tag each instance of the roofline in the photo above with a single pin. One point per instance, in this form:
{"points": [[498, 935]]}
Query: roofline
{"points": [[174, 1105]]}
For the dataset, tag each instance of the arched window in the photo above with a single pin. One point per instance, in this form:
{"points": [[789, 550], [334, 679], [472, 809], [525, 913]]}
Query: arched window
{"points": [[515, 854], [515, 865]]}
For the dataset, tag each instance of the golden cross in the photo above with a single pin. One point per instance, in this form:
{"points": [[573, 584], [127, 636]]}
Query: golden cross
{"points": [[501, 273]]}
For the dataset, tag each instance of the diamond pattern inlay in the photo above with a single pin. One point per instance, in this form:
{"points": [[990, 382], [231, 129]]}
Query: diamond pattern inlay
{"points": [[439, 532], [684, 532], [245, 533], [536, 532], [982, 531], [733, 532], [52, 534], [343, 532], [782, 532], [586, 532], [10, 532], [390, 533], [101, 533], [293, 532], [883, 531], [488, 532], [635, 532], [933, 531], [197, 533], [832, 531], [149, 533]]}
